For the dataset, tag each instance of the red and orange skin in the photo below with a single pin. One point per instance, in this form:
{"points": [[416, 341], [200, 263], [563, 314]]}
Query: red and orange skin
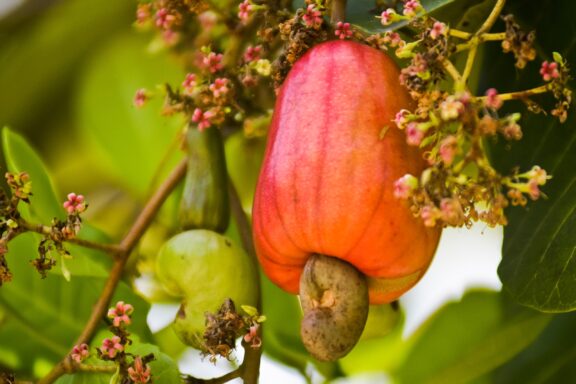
{"points": [[326, 185]]}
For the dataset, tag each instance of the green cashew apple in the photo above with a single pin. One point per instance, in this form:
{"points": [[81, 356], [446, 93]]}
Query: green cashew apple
{"points": [[204, 268], [204, 201]]}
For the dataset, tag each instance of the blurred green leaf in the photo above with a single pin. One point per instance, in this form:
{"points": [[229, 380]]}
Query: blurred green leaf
{"points": [[550, 359], [538, 266], [381, 354], [466, 339], [134, 142], [36, 62], [46, 315], [164, 369], [20, 157]]}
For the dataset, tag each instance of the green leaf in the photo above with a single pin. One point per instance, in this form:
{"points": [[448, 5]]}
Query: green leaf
{"points": [[132, 141], [466, 339], [20, 157], [37, 60], [550, 359], [47, 315], [538, 266], [164, 369]]}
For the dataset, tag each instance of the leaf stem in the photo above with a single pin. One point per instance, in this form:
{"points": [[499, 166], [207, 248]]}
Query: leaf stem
{"points": [[137, 230]]}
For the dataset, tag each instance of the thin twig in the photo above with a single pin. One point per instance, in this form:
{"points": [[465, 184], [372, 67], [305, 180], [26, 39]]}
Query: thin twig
{"points": [[251, 364], [520, 94], [485, 27], [338, 11], [112, 249], [217, 380], [127, 245]]}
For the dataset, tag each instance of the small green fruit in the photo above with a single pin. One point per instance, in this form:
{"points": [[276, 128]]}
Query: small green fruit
{"points": [[204, 268]]}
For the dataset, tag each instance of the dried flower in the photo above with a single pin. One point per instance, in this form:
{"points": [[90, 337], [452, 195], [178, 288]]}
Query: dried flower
{"points": [[139, 372]]}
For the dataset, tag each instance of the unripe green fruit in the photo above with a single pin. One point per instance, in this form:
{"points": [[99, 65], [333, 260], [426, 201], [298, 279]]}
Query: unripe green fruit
{"points": [[204, 268], [381, 321], [204, 201]]}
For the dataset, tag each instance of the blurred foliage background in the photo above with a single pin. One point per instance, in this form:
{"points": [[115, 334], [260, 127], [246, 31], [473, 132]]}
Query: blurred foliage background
{"points": [[69, 70]]}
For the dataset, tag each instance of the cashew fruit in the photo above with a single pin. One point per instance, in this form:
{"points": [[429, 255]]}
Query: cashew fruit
{"points": [[326, 184], [204, 203], [204, 268]]}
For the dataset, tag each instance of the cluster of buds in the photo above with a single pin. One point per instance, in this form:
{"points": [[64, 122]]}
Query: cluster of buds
{"points": [[460, 185], [226, 325], [20, 185]]}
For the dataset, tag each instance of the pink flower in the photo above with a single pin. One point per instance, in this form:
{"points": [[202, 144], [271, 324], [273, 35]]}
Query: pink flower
{"points": [[143, 13], [411, 7], [202, 118], [538, 175], [388, 16], [120, 314], [189, 83], [252, 336], [164, 19], [492, 100], [404, 186], [401, 118], [533, 190], [343, 30], [140, 98], [438, 29], [549, 71], [244, 10], [111, 347], [74, 204], [448, 148], [213, 62], [139, 372], [312, 17], [414, 135], [393, 39], [80, 353], [219, 87], [252, 53]]}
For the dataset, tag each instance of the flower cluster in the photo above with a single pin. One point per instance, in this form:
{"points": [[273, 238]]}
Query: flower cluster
{"points": [[114, 348], [460, 185]]}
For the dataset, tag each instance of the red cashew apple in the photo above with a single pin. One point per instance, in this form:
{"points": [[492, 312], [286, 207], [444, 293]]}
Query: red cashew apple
{"points": [[325, 197]]}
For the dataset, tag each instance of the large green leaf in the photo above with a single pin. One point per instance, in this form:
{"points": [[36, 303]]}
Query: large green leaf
{"points": [[46, 315], [550, 359], [467, 339], [37, 60], [20, 157], [538, 266], [133, 142]]}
